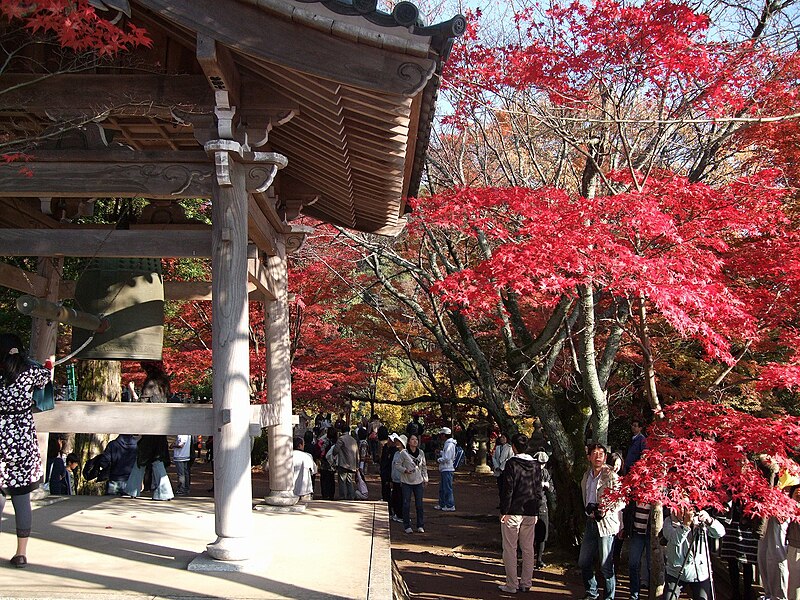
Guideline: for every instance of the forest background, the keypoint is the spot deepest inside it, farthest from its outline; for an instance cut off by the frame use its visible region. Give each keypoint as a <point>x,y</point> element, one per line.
<point>607,231</point>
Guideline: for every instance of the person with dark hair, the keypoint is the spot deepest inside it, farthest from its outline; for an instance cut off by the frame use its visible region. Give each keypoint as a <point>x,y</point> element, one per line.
<point>152,450</point>
<point>327,475</point>
<point>20,461</point>
<point>502,452</point>
<point>346,452</point>
<point>519,510</point>
<point>387,455</point>
<point>542,529</point>
<point>413,478</point>
<point>62,478</point>
<point>603,523</point>
<point>638,444</point>
<point>304,470</point>
<point>374,440</point>
<point>118,459</point>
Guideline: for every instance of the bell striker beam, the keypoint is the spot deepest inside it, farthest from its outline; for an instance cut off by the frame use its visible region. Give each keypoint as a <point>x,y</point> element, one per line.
<point>230,356</point>
<point>279,384</point>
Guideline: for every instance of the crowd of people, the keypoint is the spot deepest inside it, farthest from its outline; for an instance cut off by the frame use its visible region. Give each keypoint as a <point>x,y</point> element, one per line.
<point>340,455</point>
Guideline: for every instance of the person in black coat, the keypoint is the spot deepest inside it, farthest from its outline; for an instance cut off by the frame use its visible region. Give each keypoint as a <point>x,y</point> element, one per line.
<point>118,459</point>
<point>519,509</point>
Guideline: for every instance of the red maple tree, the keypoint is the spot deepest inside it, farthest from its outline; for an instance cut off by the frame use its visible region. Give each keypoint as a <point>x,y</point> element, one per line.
<point>76,25</point>
<point>706,455</point>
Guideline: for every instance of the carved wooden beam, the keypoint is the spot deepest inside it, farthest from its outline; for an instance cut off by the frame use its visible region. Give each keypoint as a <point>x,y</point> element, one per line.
<point>217,63</point>
<point>118,172</point>
<point>175,96</point>
<point>254,32</point>
<point>109,173</point>
<point>110,243</point>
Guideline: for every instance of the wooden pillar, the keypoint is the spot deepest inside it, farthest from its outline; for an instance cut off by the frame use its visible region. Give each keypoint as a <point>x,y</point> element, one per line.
<point>233,489</point>
<point>44,334</point>
<point>279,382</point>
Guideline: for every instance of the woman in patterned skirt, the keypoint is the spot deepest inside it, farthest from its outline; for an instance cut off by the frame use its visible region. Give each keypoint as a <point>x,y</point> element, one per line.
<point>20,462</point>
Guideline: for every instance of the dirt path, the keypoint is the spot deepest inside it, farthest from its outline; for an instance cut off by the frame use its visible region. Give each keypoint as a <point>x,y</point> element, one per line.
<point>460,553</point>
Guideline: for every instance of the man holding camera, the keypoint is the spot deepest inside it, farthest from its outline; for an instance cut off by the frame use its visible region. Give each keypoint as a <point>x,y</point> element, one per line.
<point>687,555</point>
<point>602,523</point>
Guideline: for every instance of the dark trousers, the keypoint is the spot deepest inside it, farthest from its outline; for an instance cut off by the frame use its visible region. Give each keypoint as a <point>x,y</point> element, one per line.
<point>397,498</point>
<point>700,590</point>
<point>327,482</point>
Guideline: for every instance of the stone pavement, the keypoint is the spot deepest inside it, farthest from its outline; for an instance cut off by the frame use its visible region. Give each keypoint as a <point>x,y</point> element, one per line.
<point>90,547</point>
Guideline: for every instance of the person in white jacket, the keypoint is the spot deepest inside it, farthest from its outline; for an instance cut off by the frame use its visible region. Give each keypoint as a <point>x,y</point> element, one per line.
<point>413,477</point>
<point>446,469</point>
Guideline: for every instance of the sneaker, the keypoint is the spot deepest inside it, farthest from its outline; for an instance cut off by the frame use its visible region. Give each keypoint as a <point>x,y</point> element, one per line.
<point>409,530</point>
<point>590,597</point>
<point>420,530</point>
<point>449,509</point>
<point>397,519</point>
<point>507,590</point>
<point>437,507</point>
<point>524,589</point>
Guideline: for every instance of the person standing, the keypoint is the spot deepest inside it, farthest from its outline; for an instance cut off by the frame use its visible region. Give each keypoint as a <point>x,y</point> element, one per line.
<point>118,459</point>
<point>304,470</point>
<point>639,535</point>
<point>638,444</point>
<point>151,451</point>
<point>20,461</point>
<point>602,523</point>
<point>400,442</point>
<point>346,453</point>
<point>327,474</point>
<point>62,475</point>
<point>687,554</point>
<point>387,455</point>
<point>414,477</point>
<point>542,529</point>
<point>502,452</point>
<point>447,501</point>
<point>793,541</point>
<point>182,457</point>
<point>519,509</point>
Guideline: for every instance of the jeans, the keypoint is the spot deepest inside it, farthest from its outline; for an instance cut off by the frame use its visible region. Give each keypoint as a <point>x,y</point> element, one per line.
<point>162,488</point>
<point>417,491</point>
<point>446,499</point>
<point>592,545</point>
<point>347,485</point>
<point>116,487</point>
<point>184,470</point>
<point>640,542</point>
<point>700,590</point>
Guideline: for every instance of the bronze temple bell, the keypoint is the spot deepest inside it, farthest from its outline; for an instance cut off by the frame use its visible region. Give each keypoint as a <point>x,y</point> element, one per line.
<point>129,293</point>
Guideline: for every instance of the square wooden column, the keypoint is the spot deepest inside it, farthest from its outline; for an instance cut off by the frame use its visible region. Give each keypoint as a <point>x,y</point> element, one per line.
<point>233,488</point>
<point>279,381</point>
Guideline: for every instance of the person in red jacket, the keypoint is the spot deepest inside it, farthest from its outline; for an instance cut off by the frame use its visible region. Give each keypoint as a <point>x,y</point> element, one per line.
<point>519,509</point>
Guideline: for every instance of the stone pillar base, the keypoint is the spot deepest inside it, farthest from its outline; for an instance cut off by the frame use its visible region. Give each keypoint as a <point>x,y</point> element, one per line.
<point>228,548</point>
<point>281,498</point>
<point>483,470</point>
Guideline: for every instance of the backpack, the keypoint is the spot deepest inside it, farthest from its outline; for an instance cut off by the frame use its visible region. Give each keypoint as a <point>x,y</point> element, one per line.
<point>459,458</point>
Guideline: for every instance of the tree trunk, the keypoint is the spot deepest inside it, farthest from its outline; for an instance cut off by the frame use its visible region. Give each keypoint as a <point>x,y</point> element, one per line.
<point>587,356</point>
<point>656,553</point>
<point>98,381</point>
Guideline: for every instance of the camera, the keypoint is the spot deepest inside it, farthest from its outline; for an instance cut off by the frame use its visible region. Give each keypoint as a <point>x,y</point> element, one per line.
<point>593,511</point>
